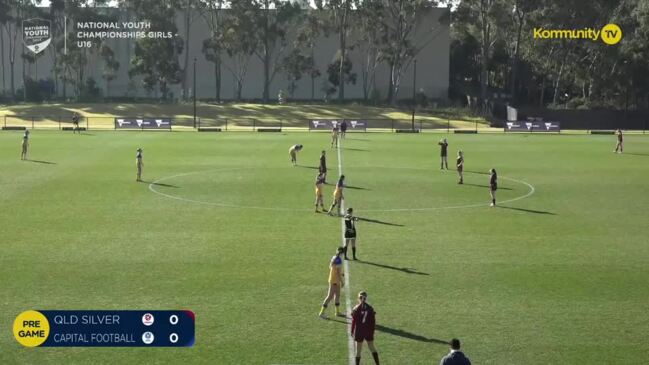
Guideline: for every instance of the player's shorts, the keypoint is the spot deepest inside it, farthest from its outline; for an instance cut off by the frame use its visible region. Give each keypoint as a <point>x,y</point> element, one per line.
<point>360,336</point>
<point>322,170</point>
<point>350,233</point>
<point>493,187</point>
<point>318,193</point>
<point>460,168</point>
<point>338,194</point>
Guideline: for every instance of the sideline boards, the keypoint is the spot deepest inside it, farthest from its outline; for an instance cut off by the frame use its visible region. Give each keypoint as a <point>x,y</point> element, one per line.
<point>533,127</point>
<point>143,123</point>
<point>328,124</point>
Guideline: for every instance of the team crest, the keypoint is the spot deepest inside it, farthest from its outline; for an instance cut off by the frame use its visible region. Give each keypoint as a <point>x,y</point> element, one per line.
<point>37,34</point>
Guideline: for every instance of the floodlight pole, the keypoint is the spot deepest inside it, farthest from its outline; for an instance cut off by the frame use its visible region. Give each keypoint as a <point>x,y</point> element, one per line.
<point>414,88</point>
<point>194,92</point>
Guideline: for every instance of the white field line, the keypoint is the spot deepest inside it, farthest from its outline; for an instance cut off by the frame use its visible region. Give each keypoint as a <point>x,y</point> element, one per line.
<point>226,205</point>
<point>348,302</point>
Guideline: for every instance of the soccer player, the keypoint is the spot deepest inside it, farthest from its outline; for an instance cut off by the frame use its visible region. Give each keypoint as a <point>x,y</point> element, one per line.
<point>455,356</point>
<point>293,153</point>
<point>334,136</point>
<point>459,163</point>
<point>335,283</point>
<point>139,164</point>
<point>493,185</point>
<point>323,167</point>
<point>319,181</point>
<point>620,141</point>
<point>443,149</point>
<point>343,128</point>
<point>350,232</point>
<point>25,145</point>
<point>75,123</point>
<point>338,195</point>
<point>363,325</point>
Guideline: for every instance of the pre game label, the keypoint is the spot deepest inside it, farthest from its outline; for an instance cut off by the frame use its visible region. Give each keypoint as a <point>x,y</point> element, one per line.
<point>105,328</point>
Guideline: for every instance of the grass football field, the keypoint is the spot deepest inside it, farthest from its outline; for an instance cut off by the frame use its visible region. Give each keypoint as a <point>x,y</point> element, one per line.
<point>557,274</point>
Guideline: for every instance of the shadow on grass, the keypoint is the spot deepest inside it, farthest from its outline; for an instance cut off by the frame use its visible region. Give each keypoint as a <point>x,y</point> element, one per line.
<point>356,139</point>
<point>636,154</point>
<point>406,270</point>
<point>409,335</point>
<point>485,186</point>
<point>394,331</point>
<point>307,167</point>
<point>355,187</point>
<point>355,149</point>
<point>476,172</point>
<point>43,162</point>
<point>379,222</point>
<point>527,210</point>
<point>159,184</point>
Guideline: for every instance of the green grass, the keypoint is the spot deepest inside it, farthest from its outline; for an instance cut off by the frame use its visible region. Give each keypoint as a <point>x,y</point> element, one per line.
<point>293,115</point>
<point>559,277</point>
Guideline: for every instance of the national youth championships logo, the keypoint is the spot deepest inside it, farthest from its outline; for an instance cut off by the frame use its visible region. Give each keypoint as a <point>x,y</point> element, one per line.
<point>610,34</point>
<point>37,34</point>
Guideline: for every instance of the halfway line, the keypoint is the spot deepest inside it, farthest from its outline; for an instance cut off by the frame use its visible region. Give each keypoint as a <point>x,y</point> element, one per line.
<point>348,303</point>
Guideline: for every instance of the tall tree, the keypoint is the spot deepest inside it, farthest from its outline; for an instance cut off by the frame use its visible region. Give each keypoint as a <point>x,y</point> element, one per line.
<point>238,41</point>
<point>276,20</point>
<point>211,13</point>
<point>156,59</point>
<point>339,12</point>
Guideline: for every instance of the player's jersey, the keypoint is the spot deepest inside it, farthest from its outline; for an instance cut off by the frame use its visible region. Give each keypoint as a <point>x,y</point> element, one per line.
<point>138,158</point>
<point>619,136</point>
<point>493,181</point>
<point>25,140</point>
<point>363,319</point>
<point>335,268</point>
<point>349,223</point>
<point>339,189</point>
<point>443,148</point>
<point>334,132</point>
<point>323,163</point>
<point>459,163</point>
<point>318,185</point>
<point>294,148</point>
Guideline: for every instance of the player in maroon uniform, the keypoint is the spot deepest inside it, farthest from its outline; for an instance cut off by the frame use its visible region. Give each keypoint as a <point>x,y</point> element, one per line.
<point>363,325</point>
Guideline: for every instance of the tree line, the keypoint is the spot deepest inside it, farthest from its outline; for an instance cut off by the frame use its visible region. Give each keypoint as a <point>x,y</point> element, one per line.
<point>493,50</point>
<point>493,54</point>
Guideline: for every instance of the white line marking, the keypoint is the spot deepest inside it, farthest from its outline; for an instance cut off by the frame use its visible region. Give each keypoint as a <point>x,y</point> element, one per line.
<point>282,209</point>
<point>348,302</point>
<point>529,193</point>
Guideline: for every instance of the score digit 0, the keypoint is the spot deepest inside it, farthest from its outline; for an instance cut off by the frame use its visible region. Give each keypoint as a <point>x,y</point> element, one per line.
<point>173,320</point>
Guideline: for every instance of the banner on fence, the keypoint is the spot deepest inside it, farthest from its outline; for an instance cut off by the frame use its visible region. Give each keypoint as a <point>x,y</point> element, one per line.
<point>143,123</point>
<point>328,124</point>
<point>533,127</point>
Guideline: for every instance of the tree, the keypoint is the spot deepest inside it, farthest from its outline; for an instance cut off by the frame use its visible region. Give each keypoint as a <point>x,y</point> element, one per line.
<point>211,12</point>
<point>339,12</point>
<point>295,65</point>
<point>238,41</point>
<point>156,59</point>
<point>400,21</point>
<point>368,42</point>
<point>273,25</point>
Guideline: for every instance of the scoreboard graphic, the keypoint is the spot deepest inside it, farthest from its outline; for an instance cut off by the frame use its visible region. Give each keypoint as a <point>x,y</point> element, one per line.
<point>87,328</point>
